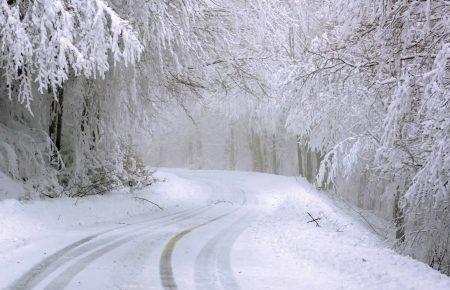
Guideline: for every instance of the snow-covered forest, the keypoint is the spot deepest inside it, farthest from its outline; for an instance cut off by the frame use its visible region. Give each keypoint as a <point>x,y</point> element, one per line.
<point>352,95</point>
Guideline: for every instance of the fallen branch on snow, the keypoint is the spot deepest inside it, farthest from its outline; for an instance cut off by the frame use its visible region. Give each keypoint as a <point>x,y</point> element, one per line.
<point>315,220</point>
<point>149,201</point>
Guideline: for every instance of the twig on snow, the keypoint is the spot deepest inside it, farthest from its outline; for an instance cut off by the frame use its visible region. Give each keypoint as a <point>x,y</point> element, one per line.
<point>144,199</point>
<point>316,220</point>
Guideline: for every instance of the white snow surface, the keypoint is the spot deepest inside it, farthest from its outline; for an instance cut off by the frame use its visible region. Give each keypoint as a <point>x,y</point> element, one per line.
<point>232,230</point>
<point>10,188</point>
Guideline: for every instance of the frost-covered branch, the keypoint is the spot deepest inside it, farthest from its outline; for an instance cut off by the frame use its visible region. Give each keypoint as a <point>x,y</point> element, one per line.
<point>44,41</point>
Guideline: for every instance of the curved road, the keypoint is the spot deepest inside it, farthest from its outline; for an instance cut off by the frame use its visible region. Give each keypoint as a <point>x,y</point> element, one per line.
<point>235,230</point>
<point>187,249</point>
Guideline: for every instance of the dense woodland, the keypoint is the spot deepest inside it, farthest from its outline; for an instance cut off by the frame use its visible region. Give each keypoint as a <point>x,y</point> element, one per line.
<point>352,95</point>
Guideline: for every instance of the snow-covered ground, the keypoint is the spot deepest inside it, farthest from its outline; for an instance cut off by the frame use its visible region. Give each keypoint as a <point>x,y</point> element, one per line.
<point>217,230</point>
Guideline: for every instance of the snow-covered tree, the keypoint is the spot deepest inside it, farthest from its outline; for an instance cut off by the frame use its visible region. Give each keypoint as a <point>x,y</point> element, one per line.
<point>45,46</point>
<point>370,90</point>
<point>45,41</point>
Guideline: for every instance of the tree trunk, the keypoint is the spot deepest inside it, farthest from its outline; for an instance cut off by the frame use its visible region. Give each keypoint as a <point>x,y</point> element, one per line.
<point>309,165</point>
<point>256,152</point>
<point>399,218</point>
<point>274,155</point>
<point>301,170</point>
<point>232,156</point>
<point>55,128</point>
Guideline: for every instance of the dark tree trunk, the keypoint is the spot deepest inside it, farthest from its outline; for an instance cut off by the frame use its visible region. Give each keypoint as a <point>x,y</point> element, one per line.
<point>56,118</point>
<point>309,165</point>
<point>55,128</point>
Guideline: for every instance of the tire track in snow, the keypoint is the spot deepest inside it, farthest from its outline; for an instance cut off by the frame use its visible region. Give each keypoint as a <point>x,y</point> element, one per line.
<point>47,266</point>
<point>165,266</point>
<point>64,278</point>
<point>213,264</point>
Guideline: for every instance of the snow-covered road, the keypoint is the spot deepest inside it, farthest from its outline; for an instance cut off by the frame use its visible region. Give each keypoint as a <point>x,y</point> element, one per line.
<point>218,230</point>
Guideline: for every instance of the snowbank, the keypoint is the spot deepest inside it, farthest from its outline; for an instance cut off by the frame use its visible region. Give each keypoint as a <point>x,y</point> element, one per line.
<point>343,252</point>
<point>10,188</point>
<point>27,221</point>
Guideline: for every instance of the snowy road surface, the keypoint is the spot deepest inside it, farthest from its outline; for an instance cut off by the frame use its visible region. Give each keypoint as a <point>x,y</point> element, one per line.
<point>218,230</point>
